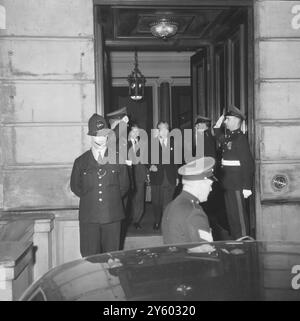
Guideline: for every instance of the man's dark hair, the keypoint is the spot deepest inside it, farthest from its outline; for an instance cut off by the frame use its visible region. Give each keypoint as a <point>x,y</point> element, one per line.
<point>134,125</point>
<point>163,122</point>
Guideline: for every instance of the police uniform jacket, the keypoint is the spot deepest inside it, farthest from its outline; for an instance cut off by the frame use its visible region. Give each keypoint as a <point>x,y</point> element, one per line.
<point>182,220</point>
<point>237,166</point>
<point>100,189</point>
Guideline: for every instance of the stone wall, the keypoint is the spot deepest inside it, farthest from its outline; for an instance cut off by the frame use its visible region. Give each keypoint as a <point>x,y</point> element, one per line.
<point>277,117</point>
<point>47,93</point>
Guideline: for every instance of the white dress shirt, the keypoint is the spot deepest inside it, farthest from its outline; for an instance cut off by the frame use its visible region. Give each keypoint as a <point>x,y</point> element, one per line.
<point>97,152</point>
<point>163,141</point>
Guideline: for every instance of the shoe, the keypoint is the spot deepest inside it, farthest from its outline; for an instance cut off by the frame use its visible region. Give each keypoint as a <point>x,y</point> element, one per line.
<point>156,227</point>
<point>137,226</point>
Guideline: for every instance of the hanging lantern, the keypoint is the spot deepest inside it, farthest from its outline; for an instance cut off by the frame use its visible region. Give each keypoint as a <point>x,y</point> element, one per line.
<point>136,82</point>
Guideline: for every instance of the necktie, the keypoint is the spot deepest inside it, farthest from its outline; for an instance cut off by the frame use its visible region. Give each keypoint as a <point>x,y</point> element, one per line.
<point>101,155</point>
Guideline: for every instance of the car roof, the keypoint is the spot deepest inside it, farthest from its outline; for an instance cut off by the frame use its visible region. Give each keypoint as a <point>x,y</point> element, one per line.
<point>230,270</point>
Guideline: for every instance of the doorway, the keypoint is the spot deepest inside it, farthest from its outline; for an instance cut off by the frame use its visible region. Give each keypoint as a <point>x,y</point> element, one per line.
<point>218,33</point>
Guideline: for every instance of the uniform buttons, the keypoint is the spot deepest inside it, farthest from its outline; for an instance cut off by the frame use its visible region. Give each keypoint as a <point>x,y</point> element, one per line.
<point>100,184</point>
<point>100,199</point>
<point>100,192</point>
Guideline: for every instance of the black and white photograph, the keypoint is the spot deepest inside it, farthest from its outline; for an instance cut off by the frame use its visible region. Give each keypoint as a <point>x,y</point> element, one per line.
<point>149,151</point>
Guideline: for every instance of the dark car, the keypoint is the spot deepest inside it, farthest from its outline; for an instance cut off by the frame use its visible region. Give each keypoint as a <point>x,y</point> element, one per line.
<point>231,270</point>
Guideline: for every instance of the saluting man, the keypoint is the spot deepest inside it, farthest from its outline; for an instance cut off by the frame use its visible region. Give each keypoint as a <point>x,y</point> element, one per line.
<point>237,170</point>
<point>184,220</point>
<point>100,185</point>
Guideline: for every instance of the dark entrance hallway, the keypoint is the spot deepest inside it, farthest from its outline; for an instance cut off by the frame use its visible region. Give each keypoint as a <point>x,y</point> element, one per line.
<point>219,40</point>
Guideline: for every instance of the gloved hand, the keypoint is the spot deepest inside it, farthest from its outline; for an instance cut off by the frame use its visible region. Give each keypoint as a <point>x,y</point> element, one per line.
<point>247,193</point>
<point>219,122</point>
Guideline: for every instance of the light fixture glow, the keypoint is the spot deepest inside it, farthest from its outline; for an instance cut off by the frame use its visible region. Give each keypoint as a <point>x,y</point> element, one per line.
<point>164,28</point>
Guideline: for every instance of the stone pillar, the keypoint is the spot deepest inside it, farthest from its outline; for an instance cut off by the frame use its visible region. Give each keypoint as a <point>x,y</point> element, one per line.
<point>15,269</point>
<point>277,119</point>
<point>164,101</point>
<point>42,240</point>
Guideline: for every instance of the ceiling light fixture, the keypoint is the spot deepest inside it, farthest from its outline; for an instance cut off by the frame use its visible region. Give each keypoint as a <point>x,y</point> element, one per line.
<point>164,28</point>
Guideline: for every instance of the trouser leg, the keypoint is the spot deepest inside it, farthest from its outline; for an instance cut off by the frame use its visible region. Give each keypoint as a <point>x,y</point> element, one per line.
<point>90,243</point>
<point>138,203</point>
<point>168,193</point>
<point>110,236</point>
<point>156,197</point>
<point>236,213</point>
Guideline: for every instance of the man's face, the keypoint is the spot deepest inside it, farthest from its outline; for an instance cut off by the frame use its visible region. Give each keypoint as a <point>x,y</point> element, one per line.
<point>134,133</point>
<point>205,187</point>
<point>201,127</point>
<point>99,141</point>
<point>163,130</point>
<point>125,119</point>
<point>232,122</point>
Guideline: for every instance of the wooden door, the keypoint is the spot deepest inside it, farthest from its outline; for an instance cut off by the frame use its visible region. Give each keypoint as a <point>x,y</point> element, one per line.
<point>230,74</point>
<point>236,64</point>
<point>200,83</point>
<point>221,94</point>
<point>181,107</point>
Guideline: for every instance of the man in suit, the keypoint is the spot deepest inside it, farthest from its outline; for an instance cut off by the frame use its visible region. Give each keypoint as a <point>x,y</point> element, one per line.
<point>203,142</point>
<point>100,185</point>
<point>204,136</point>
<point>163,177</point>
<point>119,121</point>
<point>139,176</point>
<point>214,206</point>
<point>237,170</point>
<point>184,220</point>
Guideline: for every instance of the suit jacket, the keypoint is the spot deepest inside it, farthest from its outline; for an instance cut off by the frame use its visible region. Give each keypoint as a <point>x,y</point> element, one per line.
<point>209,145</point>
<point>100,189</point>
<point>139,171</point>
<point>208,150</point>
<point>170,170</point>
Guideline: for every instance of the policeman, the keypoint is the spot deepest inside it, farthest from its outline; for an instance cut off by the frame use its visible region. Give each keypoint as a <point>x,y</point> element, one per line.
<point>184,219</point>
<point>237,170</point>
<point>100,186</point>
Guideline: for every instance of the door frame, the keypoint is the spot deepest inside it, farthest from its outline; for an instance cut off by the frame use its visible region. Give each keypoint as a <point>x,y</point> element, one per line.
<point>249,4</point>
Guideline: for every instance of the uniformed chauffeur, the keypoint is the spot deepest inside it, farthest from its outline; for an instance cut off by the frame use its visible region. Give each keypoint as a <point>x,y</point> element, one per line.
<point>100,186</point>
<point>184,220</point>
<point>237,170</point>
